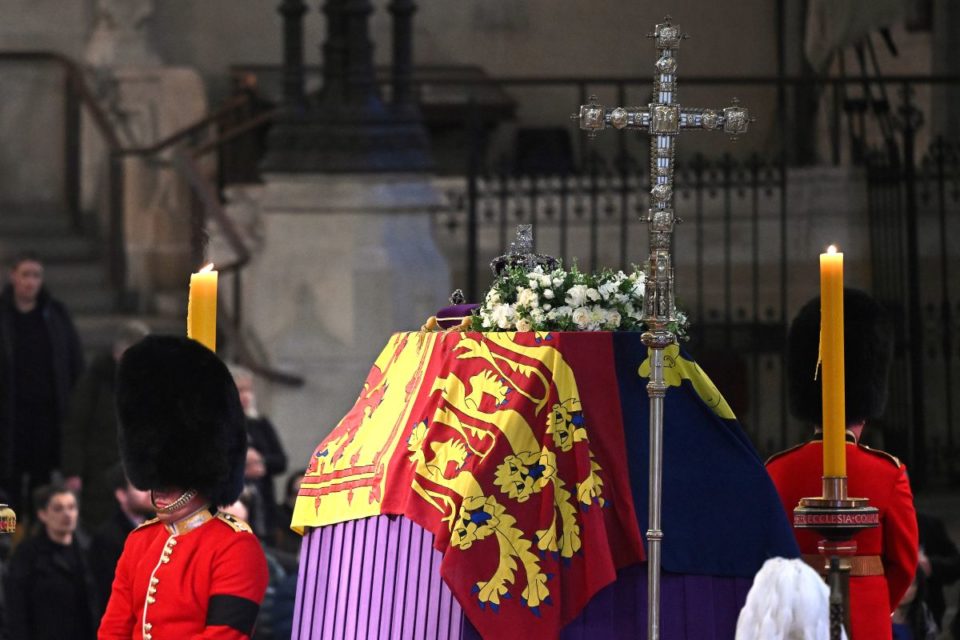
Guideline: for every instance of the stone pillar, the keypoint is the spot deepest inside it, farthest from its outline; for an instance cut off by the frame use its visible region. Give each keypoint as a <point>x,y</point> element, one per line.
<point>350,130</point>
<point>402,68</point>
<point>293,74</point>
<point>347,254</point>
<point>946,25</point>
<point>343,262</point>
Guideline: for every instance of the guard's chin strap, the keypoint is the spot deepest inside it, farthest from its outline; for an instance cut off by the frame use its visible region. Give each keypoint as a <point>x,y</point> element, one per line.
<point>177,504</point>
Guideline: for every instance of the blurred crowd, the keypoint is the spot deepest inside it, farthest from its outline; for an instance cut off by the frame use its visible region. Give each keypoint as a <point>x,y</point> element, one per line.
<point>60,470</point>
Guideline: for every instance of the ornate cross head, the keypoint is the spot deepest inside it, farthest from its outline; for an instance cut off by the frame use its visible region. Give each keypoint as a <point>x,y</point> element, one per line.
<point>663,118</point>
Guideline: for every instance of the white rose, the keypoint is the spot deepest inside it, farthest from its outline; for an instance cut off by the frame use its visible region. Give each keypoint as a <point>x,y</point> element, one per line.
<point>581,317</point>
<point>577,295</point>
<point>545,281</point>
<point>533,284</point>
<point>592,294</point>
<point>557,281</point>
<point>537,316</point>
<point>527,298</point>
<point>597,317</point>
<point>548,294</point>
<point>613,319</point>
<point>547,306</point>
<point>524,325</point>
<point>502,315</point>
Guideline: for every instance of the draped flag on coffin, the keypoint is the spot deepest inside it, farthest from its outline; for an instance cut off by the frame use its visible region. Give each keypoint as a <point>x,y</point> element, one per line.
<point>514,461</point>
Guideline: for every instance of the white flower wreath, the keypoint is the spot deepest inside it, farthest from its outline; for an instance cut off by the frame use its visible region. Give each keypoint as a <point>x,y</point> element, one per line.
<point>566,300</point>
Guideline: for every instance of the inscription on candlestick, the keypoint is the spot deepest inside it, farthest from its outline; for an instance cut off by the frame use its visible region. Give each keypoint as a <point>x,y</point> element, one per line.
<point>836,519</point>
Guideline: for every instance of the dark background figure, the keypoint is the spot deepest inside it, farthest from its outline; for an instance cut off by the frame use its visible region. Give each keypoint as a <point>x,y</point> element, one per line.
<point>276,611</point>
<point>287,540</point>
<point>131,508</point>
<point>912,620</point>
<point>49,587</point>
<point>939,561</point>
<point>265,459</point>
<point>40,360</point>
<point>89,441</point>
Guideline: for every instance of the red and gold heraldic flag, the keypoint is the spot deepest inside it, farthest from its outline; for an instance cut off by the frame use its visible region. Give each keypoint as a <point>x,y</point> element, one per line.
<point>514,461</point>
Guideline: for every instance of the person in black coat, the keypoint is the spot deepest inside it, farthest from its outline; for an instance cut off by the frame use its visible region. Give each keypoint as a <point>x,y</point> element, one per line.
<point>265,459</point>
<point>89,440</point>
<point>49,587</point>
<point>131,508</point>
<point>40,360</point>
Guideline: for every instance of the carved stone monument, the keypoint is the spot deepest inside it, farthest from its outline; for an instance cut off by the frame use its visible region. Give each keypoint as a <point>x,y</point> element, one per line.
<point>147,102</point>
<point>120,36</point>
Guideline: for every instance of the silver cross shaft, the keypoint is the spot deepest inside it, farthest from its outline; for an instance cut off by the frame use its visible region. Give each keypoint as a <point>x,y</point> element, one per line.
<point>663,118</point>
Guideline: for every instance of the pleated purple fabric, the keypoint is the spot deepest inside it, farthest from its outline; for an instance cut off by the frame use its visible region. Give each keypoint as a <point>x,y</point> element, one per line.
<point>379,578</point>
<point>370,579</point>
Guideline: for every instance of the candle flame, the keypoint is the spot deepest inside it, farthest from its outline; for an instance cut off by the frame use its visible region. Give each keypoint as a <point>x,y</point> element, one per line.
<point>207,268</point>
<point>832,248</point>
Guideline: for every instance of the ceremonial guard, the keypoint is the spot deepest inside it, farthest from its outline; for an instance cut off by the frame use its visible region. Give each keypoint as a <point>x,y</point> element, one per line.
<point>886,556</point>
<point>191,572</point>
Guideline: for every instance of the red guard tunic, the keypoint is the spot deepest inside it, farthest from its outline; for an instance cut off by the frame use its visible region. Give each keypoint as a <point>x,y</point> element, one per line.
<point>202,577</point>
<point>883,479</point>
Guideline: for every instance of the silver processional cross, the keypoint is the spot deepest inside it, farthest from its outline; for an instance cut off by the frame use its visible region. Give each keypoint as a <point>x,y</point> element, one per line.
<point>663,119</point>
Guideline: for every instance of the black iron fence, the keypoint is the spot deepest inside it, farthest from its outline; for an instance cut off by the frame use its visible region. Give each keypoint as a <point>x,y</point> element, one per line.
<point>915,235</point>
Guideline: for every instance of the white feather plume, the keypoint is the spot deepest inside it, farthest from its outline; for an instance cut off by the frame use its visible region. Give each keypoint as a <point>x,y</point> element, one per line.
<point>788,601</point>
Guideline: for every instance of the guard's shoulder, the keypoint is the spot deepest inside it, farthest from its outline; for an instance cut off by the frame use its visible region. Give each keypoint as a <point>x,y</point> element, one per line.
<point>234,523</point>
<point>148,523</point>
<point>780,454</point>
<point>889,457</point>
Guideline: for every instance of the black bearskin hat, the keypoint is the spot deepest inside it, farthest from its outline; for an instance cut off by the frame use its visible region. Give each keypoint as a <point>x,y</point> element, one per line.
<point>867,353</point>
<point>181,423</point>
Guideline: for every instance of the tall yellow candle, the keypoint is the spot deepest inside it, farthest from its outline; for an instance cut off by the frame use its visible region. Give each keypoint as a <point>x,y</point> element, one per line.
<point>832,365</point>
<point>202,308</point>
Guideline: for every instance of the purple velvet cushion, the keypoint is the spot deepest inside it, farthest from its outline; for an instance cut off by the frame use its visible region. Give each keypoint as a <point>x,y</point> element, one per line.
<point>452,316</point>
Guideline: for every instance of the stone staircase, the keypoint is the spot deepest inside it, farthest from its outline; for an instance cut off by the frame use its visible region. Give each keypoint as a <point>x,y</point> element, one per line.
<point>75,271</point>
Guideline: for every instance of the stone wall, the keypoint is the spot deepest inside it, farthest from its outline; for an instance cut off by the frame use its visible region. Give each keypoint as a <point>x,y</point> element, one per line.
<point>31,112</point>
